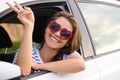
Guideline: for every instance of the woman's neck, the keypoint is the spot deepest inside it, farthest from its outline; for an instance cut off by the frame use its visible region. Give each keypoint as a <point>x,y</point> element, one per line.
<point>47,53</point>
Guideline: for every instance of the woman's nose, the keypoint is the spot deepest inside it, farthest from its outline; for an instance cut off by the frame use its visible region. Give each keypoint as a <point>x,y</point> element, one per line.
<point>58,33</point>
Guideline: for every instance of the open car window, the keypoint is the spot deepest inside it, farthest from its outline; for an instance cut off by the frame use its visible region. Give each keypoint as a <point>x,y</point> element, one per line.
<point>43,12</point>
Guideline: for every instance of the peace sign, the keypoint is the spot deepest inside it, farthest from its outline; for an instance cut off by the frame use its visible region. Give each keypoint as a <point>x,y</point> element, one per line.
<point>25,14</point>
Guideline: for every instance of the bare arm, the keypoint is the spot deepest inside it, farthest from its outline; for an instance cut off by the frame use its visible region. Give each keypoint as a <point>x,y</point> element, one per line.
<point>26,16</point>
<point>71,65</point>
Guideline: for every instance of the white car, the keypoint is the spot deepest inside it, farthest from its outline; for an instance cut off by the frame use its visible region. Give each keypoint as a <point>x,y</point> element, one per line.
<point>99,21</point>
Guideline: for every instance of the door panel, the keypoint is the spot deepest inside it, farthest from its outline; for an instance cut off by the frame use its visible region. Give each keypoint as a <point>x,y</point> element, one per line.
<point>90,73</point>
<point>109,66</point>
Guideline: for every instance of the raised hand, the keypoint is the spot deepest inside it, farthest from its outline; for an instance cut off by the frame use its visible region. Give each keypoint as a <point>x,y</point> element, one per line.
<point>25,14</point>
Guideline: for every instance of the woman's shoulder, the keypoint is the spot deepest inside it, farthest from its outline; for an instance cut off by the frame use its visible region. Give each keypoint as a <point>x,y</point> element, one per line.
<point>75,53</point>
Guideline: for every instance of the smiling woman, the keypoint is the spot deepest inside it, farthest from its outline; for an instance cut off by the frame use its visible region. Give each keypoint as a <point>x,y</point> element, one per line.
<point>58,48</point>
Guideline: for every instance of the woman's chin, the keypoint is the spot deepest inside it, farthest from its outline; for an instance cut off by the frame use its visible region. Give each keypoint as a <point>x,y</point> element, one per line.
<point>53,46</point>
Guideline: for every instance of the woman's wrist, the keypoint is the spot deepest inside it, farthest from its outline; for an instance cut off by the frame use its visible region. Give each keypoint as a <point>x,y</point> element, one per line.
<point>40,67</point>
<point>29,27</point>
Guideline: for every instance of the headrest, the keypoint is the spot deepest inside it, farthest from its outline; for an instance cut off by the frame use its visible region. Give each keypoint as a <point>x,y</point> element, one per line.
<point>5,41</point>
<point>41,20</point>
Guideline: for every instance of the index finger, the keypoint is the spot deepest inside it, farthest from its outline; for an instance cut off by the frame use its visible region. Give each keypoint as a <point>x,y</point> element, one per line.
<point>12,7</point>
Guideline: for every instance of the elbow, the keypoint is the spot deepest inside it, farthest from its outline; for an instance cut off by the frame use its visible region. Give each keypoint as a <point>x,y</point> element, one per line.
<point>25,72</point>
<point>25,69</point>
<point>82,66</point>
<point>79,68</point>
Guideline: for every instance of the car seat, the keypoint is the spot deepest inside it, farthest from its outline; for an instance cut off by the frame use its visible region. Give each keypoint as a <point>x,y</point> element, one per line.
<point>5,43</point>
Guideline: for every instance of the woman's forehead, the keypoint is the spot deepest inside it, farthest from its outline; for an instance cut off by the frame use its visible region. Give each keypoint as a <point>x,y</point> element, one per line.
<point>64,23</point>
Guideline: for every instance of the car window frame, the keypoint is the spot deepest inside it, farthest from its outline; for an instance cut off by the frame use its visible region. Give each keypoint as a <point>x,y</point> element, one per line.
<point>115,4</point>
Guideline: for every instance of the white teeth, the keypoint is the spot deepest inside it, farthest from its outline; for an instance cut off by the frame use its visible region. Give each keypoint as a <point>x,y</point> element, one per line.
<point>54,39</point>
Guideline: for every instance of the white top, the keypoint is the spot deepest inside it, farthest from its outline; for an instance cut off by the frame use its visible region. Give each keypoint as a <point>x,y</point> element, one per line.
<point>36,57</point>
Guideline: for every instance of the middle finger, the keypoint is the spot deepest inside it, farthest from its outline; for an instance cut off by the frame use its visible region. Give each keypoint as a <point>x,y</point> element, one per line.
<point>18,5</point>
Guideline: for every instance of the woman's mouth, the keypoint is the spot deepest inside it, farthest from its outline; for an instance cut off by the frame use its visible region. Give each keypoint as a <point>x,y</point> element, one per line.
<point>52,37</point>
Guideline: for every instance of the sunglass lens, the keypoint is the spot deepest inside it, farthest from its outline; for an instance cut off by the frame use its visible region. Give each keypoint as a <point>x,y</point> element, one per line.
<point>54,27</point>
<point>65,34</point>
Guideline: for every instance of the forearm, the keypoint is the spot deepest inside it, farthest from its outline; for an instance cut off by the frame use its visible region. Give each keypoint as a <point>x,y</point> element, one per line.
<point>24,59</point>
<point>64,66</point>
<point>26,16</point>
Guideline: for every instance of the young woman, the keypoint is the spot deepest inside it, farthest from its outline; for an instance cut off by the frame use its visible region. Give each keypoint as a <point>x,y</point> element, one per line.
<point>58,50</point>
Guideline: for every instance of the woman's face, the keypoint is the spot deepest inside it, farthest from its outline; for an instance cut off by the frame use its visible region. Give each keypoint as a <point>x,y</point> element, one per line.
<point>54,39</point>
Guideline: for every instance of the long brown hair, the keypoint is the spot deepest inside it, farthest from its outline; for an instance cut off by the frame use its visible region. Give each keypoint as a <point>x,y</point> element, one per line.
<point>74,43</point>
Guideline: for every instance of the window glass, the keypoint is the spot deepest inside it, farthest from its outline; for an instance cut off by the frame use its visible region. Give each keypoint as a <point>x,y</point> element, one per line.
<point>103,22</point>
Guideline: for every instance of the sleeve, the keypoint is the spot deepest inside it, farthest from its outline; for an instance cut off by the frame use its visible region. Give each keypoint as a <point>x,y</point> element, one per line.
<point>69,55</point>
<point>35,55</point>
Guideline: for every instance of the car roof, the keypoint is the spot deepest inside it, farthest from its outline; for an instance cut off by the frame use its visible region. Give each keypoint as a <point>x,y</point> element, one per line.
<point>4,6</point>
